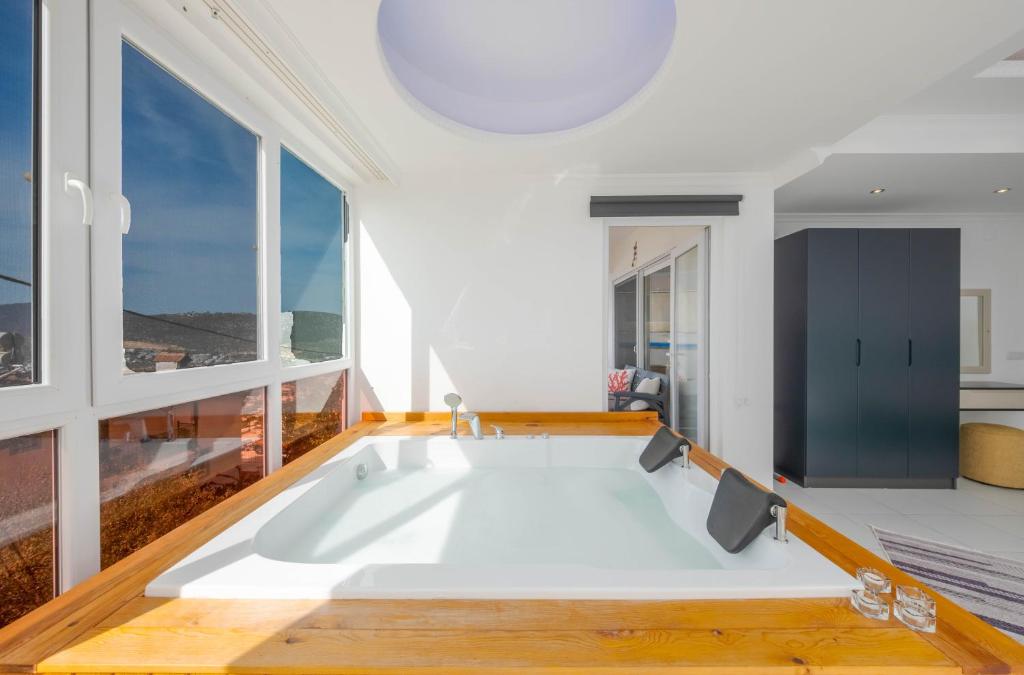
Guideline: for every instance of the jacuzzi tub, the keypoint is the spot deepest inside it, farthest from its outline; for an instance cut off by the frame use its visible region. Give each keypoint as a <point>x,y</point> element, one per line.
<point>565,517</point>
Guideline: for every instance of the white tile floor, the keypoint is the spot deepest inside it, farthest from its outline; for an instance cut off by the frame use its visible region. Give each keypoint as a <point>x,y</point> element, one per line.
<point>975,516</point>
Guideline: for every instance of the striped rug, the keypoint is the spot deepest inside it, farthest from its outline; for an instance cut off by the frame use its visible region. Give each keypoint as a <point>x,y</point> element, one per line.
<point>986,585</point>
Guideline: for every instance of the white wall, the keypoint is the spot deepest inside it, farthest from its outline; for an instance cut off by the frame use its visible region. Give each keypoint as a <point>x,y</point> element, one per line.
<point>496,288</point>
<point>991,256</point>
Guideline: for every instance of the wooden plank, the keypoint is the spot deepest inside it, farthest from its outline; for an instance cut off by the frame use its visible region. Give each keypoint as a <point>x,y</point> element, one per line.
<point>578,419</point>
<point>643,423</point>
<point>303,650</point>
<point>791,613</point>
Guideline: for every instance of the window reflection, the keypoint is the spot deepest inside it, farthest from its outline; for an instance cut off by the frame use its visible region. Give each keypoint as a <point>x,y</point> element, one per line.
<point>161,467</point>
<point>312,259</point>
<point>190,260</point>
<point>27,549</point>
<point>312,412</point>
<point>17,197</point>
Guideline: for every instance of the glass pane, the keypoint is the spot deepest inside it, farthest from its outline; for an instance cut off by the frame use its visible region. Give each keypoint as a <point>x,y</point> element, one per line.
<point>312,411</point>
<point>687,347</point>
<point>26,524</point>
<point>312,256</point>
<point>625,323</point>
<point>657,319</point>
<point>17,198</point>
<point>161,467</point>
<point>190,261</point>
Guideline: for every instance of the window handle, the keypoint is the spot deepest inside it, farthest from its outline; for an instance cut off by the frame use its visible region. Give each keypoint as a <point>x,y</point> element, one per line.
<point>73,182</point>
<point>125,208</point>
<point>858,351</point>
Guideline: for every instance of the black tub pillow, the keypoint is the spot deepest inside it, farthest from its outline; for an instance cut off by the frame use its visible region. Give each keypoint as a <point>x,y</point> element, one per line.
<point>740,511</point>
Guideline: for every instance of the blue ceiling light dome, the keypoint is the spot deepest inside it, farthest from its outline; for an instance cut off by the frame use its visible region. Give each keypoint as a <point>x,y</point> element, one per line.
<point>525,66</point>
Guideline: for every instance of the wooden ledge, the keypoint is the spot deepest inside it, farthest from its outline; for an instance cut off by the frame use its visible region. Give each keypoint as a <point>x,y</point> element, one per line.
<point>106,625</point>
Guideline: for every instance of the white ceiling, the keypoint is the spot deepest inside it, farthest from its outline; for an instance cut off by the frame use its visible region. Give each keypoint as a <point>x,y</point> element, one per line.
<point>933,183</point>
<point>961,93</point>
<point>746,85</point>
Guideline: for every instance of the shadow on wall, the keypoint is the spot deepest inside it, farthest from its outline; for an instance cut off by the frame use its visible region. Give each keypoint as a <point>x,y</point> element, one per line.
<point>494,293</point>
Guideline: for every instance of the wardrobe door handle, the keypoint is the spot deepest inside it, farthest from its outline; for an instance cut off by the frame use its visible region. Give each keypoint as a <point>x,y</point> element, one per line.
<point>910,352</point>
<point>858,351</point>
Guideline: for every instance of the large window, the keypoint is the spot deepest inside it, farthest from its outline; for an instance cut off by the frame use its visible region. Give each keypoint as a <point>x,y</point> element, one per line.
<point>146,234</point>
<point>190,264</point>
<point>161,467</point>
<point>313,411</point>
<point>27,550</point>
<point>17,195</point>
<point>312,259</point>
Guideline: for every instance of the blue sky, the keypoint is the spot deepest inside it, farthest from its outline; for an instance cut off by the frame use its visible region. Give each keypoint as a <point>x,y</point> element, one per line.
<point>15,148</point>
<point>191,175</point>
<point>311,239</point>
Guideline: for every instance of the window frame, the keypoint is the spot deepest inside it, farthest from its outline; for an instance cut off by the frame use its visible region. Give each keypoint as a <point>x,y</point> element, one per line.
<point>292,145</point>
<point>60,355</point>
<point>112,22</point>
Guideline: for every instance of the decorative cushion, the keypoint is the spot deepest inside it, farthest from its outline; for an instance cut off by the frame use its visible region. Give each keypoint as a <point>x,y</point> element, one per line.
<point>620,380</point>
<point>648,385</point>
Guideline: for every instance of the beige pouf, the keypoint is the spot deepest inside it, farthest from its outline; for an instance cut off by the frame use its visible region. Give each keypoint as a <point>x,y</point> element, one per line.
<point>992,453</point>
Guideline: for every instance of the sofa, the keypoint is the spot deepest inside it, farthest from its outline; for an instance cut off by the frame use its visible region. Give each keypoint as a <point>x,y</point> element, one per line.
<point>624,400</point>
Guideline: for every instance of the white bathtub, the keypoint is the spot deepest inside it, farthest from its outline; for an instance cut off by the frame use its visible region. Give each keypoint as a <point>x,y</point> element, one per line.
<point>565,517</point>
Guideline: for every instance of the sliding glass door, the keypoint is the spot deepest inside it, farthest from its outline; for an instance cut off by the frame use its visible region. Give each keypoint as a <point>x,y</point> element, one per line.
<point>659,323</point>
<point>688,348</point>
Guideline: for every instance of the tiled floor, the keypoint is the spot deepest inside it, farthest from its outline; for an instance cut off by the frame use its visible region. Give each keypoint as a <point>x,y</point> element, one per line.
<point>975,516</point>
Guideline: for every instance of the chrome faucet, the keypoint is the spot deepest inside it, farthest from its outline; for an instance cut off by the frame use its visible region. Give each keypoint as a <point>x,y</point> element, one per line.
<point>499,433</point>
<point>779,512</point>
<point>453,401</point>
<point>474,424</point>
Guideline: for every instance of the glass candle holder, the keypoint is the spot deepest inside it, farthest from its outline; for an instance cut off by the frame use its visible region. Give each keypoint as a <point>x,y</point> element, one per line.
<point>915,609</point>
<point>870,604</point>
<point>873,580</point>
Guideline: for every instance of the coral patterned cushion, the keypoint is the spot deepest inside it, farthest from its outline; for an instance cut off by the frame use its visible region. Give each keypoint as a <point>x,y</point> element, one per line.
<point>619,380</point>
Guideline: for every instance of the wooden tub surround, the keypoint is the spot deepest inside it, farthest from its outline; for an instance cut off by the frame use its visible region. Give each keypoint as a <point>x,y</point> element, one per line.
<point>105,624</point>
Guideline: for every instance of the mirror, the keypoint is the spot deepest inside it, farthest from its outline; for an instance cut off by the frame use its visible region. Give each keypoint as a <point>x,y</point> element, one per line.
<point>975,330</point>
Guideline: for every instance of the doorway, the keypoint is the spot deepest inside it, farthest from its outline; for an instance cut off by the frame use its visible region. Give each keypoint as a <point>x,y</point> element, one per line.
<point>659,315</point>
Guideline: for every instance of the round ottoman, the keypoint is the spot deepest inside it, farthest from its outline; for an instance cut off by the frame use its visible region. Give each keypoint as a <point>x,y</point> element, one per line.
<point>992,453</point>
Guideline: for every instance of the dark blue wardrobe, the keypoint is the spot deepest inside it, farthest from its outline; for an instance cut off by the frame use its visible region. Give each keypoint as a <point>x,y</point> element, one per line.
<point>867,354</point>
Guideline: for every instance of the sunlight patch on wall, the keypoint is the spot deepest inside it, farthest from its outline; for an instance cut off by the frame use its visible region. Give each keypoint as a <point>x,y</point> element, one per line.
<point>386,358</point>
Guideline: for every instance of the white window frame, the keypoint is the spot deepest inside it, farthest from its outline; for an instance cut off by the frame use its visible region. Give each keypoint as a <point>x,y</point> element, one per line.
<point>114,392</point>
<point>82,383</point>
<point>62,356</point>
<point>314,162</point>
<point>109,22</point>
<point>60,400</point>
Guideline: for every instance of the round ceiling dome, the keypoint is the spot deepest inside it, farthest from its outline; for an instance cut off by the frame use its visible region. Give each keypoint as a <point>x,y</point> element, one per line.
<point>525,66</point>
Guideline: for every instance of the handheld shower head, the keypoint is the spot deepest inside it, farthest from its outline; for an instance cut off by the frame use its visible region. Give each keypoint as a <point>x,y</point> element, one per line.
<point>453,400</point>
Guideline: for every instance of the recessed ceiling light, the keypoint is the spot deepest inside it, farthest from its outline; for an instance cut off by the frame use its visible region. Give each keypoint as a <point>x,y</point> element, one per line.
<point>877,191</point>
<point>1001,191</point>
